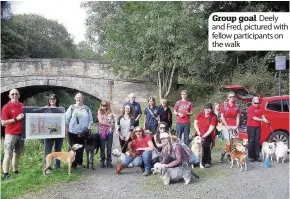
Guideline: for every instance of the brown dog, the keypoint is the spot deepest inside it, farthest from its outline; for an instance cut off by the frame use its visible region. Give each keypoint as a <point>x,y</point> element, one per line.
<point>68,157</point>
<point>239,156</point>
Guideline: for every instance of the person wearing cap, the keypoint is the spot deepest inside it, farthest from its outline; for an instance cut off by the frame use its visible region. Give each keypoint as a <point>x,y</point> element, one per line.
<point>53,102</point>
<point>173,154</point>
<point>255,117</point>
<point>230,116</point>
<point>204,124</point>
<point>137,112</point>
<point>143,146</point>
<point>183,110</point>
<point>11,118</point>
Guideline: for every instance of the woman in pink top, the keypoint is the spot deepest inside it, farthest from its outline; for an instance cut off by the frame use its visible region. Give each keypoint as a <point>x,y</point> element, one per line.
<point>106,129</point>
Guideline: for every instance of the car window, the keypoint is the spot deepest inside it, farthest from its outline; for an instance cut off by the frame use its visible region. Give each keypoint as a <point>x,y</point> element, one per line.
<point>285,105</point>
<point>275,105</point>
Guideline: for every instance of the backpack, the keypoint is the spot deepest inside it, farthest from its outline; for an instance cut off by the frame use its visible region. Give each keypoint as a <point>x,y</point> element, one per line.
<point>73,108</point>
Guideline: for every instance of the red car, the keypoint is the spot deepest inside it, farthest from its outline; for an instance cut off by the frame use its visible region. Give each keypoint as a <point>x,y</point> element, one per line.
<point>275,109</point>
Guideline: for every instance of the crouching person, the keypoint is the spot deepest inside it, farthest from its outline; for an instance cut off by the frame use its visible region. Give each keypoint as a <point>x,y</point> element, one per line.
<point>173,154</point>
<point>140,152</point>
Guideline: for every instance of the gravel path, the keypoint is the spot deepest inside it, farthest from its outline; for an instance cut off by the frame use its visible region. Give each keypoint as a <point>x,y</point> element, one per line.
<point>217,182</point>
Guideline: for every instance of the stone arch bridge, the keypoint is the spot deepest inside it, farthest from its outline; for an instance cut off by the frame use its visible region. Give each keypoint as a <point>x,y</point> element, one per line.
<point>33,76</point>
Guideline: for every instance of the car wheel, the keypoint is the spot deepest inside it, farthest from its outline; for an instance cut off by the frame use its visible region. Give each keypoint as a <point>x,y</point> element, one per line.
<point>279,136</point>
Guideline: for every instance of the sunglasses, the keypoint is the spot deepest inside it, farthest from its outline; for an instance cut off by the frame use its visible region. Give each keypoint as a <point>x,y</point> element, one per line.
<point>161,127</point>
<point>231,96</point>
<point>138,131</point>
<point>52,99</point>
<point>104,105</point>
<point>14,94</point>
<point>256,102</point>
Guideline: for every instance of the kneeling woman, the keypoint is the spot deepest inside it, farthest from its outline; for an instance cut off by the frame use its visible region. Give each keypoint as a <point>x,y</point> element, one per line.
<point>144,146</point>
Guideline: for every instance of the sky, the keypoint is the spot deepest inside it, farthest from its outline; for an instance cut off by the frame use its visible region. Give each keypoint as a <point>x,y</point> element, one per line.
<point>67,13</point>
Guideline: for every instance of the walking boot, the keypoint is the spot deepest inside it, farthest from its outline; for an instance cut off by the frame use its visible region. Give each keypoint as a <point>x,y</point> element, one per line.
<point>109,164</point>
<point>222,157</point>
<point>103,164</point>
<point>119,167</point>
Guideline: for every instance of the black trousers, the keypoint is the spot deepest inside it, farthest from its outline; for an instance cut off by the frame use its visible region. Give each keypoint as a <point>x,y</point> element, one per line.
<point>254,134</point>
<point>75,139</point>
<point>206,158</point>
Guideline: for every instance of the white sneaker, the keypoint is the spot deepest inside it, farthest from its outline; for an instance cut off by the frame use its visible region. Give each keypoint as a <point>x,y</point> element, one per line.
<point>130,165</point>
<point>47,172</point>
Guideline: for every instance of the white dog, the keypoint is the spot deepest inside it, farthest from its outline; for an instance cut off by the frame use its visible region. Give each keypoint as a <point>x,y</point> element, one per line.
<point>268,150</point>
<point>172,174</point>
<point>281,151</point>
<point>196,148</point>
<point>120,156</point>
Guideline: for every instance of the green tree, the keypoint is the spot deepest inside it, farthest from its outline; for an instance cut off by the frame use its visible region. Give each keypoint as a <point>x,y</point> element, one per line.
<point>87,52</point>
<point>44,38</point>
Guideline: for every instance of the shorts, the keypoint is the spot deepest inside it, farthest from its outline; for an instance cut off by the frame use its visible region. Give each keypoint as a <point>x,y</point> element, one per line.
<point>13,143</point>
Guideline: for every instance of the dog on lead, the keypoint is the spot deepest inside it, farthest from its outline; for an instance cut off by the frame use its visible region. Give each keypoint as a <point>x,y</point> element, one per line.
<point>239,156</point>
<point>67,157</point>
<point>196,148</point>
<point>92,143</point>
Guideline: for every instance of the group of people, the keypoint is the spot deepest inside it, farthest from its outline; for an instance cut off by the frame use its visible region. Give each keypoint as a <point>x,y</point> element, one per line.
<point>154,138</point>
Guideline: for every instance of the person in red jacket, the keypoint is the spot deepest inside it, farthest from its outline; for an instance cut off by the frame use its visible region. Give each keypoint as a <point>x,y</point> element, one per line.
<point>255,117</point>
<point>11,118</point>
<point>204,124</point>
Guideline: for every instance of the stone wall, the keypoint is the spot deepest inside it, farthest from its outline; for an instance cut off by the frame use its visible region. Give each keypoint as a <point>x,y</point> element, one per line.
<point>86,76</point>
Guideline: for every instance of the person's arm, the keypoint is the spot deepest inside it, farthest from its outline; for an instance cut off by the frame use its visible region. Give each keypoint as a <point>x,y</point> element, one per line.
<point>209,131</point>
<point>101,120</point>
<point>237,121</point>
<point>5,121</point>
<point>190,110</point>
<point>159,145</point>
<point>196,127</point>
<point>90,119</point>
<point>170,118</point>
<point>178,156</point>
<point>140,113</point>
<point>149,148</point>
<point>262,119</point>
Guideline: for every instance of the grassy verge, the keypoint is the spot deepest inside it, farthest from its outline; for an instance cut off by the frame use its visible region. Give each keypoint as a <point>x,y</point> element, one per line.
<point>31,178</point>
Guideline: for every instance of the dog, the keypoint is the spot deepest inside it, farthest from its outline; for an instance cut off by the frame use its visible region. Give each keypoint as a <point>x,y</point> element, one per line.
<point>268,150</point>
<point>172,174</point>
<point>119,155</point>
<point>239,156</point>
<point>92,143</point>
<point>281,151</point>
<point>196,148</point>
<point>68,157</point>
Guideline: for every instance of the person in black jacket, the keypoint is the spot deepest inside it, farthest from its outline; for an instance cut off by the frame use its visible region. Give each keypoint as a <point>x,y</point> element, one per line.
<point>164,113</point>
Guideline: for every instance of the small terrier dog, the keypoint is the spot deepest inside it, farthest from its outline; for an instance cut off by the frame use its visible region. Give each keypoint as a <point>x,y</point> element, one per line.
<point>119,155</point>
<point>196,148</point>
<point>172,174</point>
<point>239,156</point>
<point>68,157</point>
<point>281,151</point>
<point>268,150</point>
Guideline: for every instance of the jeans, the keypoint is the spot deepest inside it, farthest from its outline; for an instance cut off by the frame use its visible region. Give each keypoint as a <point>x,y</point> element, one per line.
<point>106,143</point>
<point>48,144</point>
<point>254,134</point>
<point>183,128</point>
<point>75,139</point>
<point>145,158</point>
